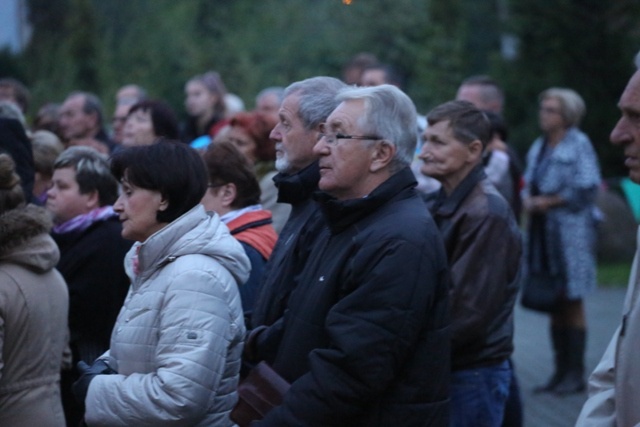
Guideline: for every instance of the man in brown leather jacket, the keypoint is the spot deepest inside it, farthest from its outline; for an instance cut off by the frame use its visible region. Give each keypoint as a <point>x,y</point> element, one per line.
<point>484,247</point>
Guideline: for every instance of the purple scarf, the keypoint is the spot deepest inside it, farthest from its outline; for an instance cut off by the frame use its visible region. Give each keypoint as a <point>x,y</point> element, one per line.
<point>84,221</point>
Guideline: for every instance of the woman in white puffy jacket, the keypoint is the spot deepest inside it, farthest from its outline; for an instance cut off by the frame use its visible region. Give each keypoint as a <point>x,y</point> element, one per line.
<point>177,343</point>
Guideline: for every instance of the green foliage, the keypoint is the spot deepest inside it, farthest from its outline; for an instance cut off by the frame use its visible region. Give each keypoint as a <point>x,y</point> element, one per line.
<point>586,45</point>
<point>100,45</point>
<point>614,274</point>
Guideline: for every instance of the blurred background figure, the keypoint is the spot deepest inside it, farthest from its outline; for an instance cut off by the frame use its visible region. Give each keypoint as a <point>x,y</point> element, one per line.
<point>561,181</point>
<point>13,90</point>
<point>33,307</point>
<point>92,251</point>
<point>233,104</point>
<point>46,148</point>
<point>249,133</point>
<point>81,122</point>
<point>130,94</point>
<point>234,194</point>
<point>126,97</point>
<point>15,142</point>
<point>379,74</point>
<point>483,92</point>
<point>268,101</point>
<point>352,70</point>
<point>48,118</point>
<point>205,106</point>
<point>9,110</point>
<point>147,121</point>
<point>498,164</point>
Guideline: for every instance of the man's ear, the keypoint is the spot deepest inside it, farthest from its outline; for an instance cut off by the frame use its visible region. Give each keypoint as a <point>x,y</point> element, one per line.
<point>93,201</point>
<point>382,155</point>
<point>475,150</point>
<point>229,193</point>
<point>164,204</point>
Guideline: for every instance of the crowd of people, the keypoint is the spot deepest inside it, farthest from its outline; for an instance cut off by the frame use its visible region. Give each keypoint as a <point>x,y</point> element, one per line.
<point>370,256</point>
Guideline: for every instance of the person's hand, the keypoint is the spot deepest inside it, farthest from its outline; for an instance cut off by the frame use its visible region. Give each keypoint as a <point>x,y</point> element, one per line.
<point>87,374</point>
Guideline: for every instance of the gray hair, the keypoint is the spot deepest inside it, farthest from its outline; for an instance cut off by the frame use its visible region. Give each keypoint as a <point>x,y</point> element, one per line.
<point>272,90</point>
<point>390,114</point>
<point>91,105</point>
<point>490,91</point>
<point>636,60</point>
<point>572,105</point>
<point>92,172</point>
<point>317,98</point>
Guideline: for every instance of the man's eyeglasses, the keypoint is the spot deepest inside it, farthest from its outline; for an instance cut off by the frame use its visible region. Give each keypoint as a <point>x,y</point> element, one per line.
<point>331,138</point>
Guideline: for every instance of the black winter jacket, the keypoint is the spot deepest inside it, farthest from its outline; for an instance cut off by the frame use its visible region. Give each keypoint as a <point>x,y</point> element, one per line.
<point>365,338</point>
<point>293,245</point>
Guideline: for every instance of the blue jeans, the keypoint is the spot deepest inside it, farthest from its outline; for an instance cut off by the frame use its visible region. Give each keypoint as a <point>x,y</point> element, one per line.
<point>478,396</point>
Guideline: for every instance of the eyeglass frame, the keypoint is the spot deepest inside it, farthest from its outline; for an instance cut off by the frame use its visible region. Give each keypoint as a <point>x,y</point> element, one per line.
<point>332,138</point>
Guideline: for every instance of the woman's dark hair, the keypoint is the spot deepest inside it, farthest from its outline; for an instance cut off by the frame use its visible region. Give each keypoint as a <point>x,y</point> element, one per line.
<point>163,119</point>
<point>498,125</point>
<point>170,167</point>
<point>228,165</point>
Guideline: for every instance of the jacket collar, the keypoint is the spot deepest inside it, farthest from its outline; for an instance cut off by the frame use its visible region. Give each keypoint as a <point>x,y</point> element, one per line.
<point>446,206</point>
<point>340,214</point>
<point>297,188</point>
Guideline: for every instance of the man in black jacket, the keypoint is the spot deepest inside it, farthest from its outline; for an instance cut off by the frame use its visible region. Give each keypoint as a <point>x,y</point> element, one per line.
<point>364,339</point>
<point>305,107</point>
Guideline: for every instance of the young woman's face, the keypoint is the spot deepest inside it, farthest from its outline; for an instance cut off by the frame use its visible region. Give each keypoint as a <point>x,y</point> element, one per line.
<point>137,208</point>
<point>199,100</point>
<point>64,199</point>
<point>138,129</point>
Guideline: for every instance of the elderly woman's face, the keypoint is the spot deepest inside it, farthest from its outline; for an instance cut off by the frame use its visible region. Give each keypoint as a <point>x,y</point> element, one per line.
<point>242,141</point>
<point>199,100</point>
<point>550,115</point>
<point>444,157</point>
<point>64,199</point>
<point>137,208</point>
<point>138,129</point>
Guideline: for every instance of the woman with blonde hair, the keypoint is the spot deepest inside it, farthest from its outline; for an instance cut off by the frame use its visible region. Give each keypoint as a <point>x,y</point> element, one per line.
<point>561,182</point>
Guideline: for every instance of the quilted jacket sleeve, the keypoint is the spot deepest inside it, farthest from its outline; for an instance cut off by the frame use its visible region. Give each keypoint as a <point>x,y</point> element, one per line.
<point>194,328</point>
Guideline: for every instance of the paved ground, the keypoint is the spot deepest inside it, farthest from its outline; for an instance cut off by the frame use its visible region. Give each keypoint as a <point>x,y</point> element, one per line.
<point>534,364</point>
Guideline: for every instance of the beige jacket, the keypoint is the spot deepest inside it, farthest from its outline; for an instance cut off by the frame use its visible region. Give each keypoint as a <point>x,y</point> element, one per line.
<point>33,321</point>
<point>614,386</point>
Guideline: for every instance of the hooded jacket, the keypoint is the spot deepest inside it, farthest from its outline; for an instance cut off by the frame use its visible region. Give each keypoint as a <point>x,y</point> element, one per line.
<point>33,321</point>
<point>177,342</point>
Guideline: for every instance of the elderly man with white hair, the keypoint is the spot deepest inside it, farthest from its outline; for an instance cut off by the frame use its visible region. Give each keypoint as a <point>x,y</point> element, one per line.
<point>365,338</point>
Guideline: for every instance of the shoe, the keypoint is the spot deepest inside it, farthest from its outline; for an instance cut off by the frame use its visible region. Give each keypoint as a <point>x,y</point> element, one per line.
<point>551,385</point>
<point>572,383</point>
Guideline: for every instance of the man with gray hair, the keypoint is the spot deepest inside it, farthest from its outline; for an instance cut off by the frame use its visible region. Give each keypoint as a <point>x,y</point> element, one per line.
<point>81,122</point>
<point>614,384</point>
<point>365,338</point>
<point>305,107</point>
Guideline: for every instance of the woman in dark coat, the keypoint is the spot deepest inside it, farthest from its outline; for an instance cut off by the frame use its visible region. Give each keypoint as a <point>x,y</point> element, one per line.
<point>92,250</point>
